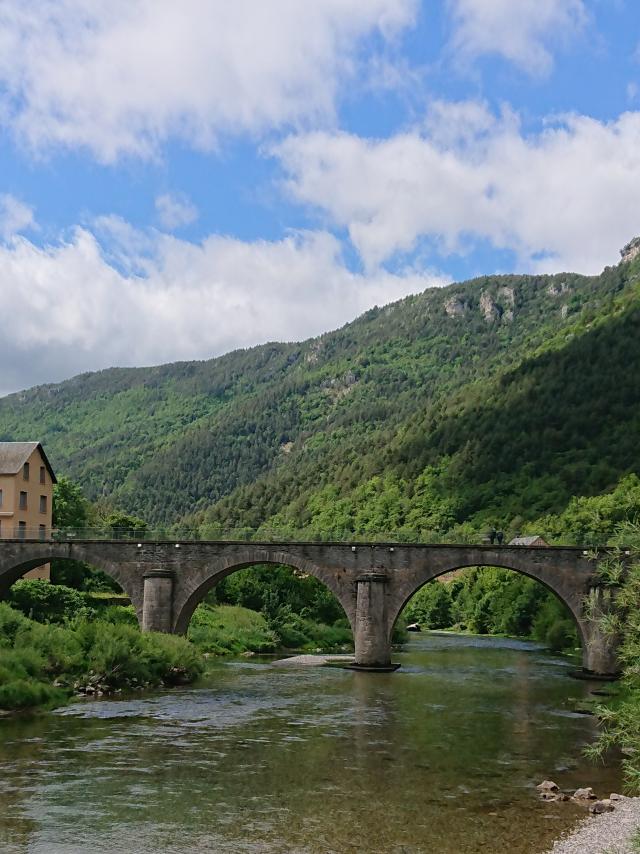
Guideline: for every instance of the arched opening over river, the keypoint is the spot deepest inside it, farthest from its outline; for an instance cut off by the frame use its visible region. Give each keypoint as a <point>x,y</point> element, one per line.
<point>297,601</point>
<point>106,576</point>
<point>496,600</point>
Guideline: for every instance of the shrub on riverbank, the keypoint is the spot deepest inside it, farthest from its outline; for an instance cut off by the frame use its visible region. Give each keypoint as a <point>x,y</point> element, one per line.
<point>48,603</point>
<point>228,629</point>
<point>621,719</point>
<point>232,629</point>
<point>43,664</point>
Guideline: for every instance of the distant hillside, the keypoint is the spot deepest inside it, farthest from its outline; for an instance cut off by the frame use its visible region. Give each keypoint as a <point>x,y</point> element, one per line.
<point>497,398</point>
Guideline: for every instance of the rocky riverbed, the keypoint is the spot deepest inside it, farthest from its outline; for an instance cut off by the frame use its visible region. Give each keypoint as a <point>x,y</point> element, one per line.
<point>608,833</point>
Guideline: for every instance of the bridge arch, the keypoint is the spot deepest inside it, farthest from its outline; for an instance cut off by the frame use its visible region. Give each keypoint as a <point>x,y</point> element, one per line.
<point>187,596</point>
<point>572,604</point>
<point>558,580</point>
<point>12,571</point>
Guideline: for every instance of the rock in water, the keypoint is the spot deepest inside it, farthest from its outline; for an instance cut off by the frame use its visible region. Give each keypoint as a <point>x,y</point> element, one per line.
<point>586,794</point>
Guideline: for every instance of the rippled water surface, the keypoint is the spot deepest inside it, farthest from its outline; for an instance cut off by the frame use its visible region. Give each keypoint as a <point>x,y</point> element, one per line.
<point>442,756</point>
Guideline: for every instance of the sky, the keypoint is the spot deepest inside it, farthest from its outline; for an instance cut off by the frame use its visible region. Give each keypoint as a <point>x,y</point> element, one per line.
<point>178,180</point>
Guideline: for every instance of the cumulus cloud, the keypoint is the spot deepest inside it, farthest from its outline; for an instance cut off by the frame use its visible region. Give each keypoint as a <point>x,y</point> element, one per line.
<point>73,310</point>
<point>120,76</point>
<point>518,30</point>
<point>15,216</point>
<point>174,210</point>
<point>565,198</point>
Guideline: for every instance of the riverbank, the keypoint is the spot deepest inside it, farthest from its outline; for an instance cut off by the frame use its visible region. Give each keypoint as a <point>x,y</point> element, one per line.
<point>43,665</point>
<point>616,832</point>
<point>98,651</point>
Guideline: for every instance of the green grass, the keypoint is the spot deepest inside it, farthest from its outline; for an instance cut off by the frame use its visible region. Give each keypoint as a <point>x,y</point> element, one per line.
<point>229,629</point>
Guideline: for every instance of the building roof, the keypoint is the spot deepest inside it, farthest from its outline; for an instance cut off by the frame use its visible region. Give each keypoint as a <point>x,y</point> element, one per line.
<point>13,455</point>
<point>527,541</point>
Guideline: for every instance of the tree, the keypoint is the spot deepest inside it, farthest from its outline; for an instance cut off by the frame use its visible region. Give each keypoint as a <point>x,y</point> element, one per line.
<point>119,521</point>
<point>70,507</point>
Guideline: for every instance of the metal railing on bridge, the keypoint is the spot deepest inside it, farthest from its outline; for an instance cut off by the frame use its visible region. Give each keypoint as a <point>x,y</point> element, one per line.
<point>214,534</point>
<point>269,535</point>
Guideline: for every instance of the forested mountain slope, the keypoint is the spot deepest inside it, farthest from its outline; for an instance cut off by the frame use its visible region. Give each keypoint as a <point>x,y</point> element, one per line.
<point>493,399</point>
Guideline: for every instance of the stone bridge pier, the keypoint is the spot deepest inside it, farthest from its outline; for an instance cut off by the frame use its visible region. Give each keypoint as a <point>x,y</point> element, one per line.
<point>373,582</point>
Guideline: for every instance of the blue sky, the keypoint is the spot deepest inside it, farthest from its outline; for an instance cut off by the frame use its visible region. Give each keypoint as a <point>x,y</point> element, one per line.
<point>178,180</point>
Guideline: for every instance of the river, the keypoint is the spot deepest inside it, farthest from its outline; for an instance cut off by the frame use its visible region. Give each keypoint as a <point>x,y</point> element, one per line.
<point>441,757</point>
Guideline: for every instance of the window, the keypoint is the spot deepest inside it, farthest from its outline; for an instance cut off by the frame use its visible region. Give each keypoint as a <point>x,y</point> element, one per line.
<point>22,530</point>
<point>0,498</point>
<point>25,471</point>
<point>43,503</point>
<point>23,501</point>
<point>42,531</point>
<point>42,475</point>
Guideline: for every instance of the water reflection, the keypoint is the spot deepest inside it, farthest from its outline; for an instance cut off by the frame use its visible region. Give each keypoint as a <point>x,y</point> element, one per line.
<point>442,756</point>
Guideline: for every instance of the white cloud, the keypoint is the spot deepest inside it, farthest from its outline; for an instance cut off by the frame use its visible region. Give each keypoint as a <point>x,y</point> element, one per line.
<point>566,198</point>
<point>15,216</point>
<point>73,311</point>
<point>120,76</point>
<point>174,210</point>
<point>521,31</point>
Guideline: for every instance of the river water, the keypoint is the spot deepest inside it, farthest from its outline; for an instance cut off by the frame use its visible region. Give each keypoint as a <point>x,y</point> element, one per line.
<point>442,757</point>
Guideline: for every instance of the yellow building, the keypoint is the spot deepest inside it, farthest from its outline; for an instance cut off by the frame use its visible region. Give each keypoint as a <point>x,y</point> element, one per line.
<point>26,495</point>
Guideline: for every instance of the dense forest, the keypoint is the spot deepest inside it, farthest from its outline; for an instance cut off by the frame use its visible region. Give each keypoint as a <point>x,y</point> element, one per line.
<point>494,401</point>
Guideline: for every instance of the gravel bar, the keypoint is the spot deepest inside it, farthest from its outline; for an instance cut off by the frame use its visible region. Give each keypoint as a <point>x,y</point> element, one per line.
<point>310,660</point>
<point>610,833</point>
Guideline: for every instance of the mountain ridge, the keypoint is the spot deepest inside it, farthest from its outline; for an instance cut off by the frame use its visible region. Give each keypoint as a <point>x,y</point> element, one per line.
<point>208,439</point>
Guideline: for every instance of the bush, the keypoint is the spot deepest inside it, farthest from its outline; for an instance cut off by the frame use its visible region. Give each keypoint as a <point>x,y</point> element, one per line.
<point>21,682</point>
<point>553,627</point>
<point>42,663</point>
<point>46,602</point>
<point>431,606</point>
<point>10,623</point>
<point>227,629</point>
<point>118,614</point>
<point>28,694</point>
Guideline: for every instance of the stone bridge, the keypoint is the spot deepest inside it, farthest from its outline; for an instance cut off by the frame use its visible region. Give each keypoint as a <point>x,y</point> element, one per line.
<point>373,582</point>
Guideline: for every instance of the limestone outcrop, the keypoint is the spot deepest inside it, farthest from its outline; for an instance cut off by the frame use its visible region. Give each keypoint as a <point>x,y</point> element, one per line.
<point>630,251</point>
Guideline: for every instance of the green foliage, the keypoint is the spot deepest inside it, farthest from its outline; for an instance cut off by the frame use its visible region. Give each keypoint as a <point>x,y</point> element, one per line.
<point>232,629</point>
<point>621,720</point>
<point>47,602</point>
<point>267,588</point>
<point>70,507</point>
<point>494,601</point>
<point>553,625</point>
<point>431,607</point>
<point>82,576</point>
<point>119,523</point>
<point>595,519</point>
<point>42,664</point>
<point>227,629</point>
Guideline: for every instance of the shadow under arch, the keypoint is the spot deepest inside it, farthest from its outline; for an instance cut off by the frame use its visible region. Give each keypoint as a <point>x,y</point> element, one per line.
<point>572,604</point>
<point>187,600</point>
<point>132,587</point>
